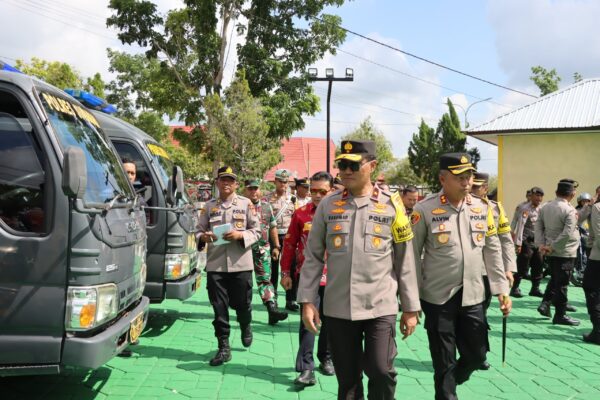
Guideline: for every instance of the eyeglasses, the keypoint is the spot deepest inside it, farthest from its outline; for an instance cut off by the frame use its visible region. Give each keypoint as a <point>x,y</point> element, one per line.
<point>322,192</point>
<point>353,165</point>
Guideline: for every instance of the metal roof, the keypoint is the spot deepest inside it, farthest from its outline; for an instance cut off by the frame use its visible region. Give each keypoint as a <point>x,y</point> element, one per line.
<point>576,107</point>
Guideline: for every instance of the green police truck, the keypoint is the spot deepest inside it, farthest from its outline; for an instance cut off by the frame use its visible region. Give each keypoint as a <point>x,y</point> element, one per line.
<point>72,235</point>
<point>172,258</point>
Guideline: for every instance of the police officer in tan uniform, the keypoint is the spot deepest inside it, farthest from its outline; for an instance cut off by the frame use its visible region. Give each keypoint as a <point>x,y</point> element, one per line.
<point>591,277</point>
<point>528,254</point>
<point>557,237</point>
<point>457,234</point>
<point>365,235</point>
<point>480,189</point>
<point>229,266</point>
<point>283,205</point>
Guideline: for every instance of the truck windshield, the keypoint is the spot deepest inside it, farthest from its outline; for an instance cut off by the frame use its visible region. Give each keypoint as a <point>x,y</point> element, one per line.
<point>164,167</point>
<point>75,126</point>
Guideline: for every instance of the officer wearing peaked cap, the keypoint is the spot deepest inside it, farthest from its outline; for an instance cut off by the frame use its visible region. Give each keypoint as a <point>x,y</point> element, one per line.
<point>557,237</point>
<point>457,235</point>
<point>229,266</point>
<point>370,264</point>
<point>528,254</point>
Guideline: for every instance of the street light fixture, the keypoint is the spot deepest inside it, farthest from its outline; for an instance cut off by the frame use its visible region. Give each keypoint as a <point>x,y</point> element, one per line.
<point>312,76</point>
<point>468,108</point>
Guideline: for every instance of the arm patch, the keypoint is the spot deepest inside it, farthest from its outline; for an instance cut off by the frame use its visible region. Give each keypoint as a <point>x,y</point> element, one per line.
<point>401,230</point>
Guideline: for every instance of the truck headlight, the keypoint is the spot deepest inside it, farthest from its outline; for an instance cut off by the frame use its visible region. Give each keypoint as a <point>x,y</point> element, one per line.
<point>91,306</point>
<point>177,266</point>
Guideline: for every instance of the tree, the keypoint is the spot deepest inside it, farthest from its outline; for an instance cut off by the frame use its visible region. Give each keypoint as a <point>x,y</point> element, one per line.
<point>401,173</point>
<point>577,77</point>
<point>546,81</point>
<point>423,152</point>
<point>190,51</point>
<point>56,73</point>
<point>95,85</point>
<point>236,131</point>
<point>427,145</point>
<point>367,131</point>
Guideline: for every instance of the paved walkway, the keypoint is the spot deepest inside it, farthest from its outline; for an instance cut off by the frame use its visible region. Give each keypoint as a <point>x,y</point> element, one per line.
<point>544,362</point>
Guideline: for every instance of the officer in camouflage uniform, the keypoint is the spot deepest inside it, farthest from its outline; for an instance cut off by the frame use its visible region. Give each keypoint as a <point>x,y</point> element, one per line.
<point>261,251</point>
<point>284,205</point>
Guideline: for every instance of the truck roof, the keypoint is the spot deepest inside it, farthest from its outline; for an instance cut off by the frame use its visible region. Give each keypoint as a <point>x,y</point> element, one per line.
<point>27,83</point>
<point>116,127</point>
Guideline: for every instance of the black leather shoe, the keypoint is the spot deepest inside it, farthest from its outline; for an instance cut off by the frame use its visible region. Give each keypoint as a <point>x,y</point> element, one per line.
<point>327,368</point>
<point>306,378</point>
<point>565,320</point>
<point>274,314</point>
<point>246,335</point>
<point>591,338</point>
<point>536,292</point>
<point>516,292</point>
<point>223,354</point>
<point>571,308</point>
<point>544,309</point>
<point>292,306</point>
<point>484,366</point>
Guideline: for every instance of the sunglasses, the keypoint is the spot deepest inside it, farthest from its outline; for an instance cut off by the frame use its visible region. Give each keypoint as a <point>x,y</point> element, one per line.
<point>322,192</point>
<point>353,165</point>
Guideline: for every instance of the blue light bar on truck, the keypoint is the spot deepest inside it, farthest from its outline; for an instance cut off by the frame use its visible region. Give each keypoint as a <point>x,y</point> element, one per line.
<point>92,101</point>
<point>5,67</point>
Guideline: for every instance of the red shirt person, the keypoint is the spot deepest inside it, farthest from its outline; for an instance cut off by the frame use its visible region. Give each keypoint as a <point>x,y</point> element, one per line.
<point>293,249</point>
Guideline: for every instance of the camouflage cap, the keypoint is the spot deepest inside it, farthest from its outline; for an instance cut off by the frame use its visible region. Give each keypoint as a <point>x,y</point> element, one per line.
<point>252,182</point>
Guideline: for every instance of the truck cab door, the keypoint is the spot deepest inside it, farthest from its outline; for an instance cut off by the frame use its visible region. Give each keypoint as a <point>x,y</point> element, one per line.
<point>33,237</point>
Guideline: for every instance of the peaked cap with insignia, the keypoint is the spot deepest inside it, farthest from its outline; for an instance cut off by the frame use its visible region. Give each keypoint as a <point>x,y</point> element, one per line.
<point>355,150</point>
<point>226,171</point>
<point>457,163</point>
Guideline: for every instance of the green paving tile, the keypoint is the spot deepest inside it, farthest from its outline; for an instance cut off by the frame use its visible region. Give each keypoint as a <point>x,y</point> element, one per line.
<point>543,362</point>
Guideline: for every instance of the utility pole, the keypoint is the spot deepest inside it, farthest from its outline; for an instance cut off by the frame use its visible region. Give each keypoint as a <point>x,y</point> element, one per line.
<point>312,76</point>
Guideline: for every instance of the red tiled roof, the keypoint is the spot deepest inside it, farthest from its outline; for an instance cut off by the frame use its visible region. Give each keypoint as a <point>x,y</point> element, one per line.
<point>303,157</point>
<point>300,155</point>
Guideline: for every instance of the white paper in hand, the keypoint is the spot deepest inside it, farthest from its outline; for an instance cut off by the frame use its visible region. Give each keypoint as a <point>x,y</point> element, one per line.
<point>219,231</point>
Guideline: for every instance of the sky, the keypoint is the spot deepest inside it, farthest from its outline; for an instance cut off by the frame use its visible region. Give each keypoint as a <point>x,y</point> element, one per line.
<point>496,40</point>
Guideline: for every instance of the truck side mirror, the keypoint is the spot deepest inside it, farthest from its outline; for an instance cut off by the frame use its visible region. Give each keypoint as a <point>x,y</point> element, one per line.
<point>175,186</point>
<point>74,174</point>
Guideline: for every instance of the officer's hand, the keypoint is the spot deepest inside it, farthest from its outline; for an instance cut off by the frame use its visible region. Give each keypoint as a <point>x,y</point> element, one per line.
<point>505,304</point>
<point>208,237</point>
<point>310,317</point>
<point>408,323</point>
<point>518,249</point>
<point>510,277</point>
<point>275,254</point>
<point>233,235</point>
<point>286,282</point>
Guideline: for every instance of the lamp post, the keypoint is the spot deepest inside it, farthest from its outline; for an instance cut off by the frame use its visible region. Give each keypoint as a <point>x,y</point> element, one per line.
<point>468,108</point>
<point>312,76</point>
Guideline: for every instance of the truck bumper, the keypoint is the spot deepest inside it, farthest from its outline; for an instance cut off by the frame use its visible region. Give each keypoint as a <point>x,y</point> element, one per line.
<point>92,352</point>
<point>183,289</point>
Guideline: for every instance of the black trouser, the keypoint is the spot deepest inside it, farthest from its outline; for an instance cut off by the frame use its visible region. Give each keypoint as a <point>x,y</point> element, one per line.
<point>556,291</point>
<point>304,358</point>
<point>451,326</point>
<point>290,295</point>
<point>377,358</point>
<point>486,303</point>
<point>229,289</point>
<point>529,256</point>
<point>591,287</point>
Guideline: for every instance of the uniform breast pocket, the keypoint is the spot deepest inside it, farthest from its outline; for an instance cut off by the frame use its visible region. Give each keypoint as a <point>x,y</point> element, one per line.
<point>337,237</point>
<point>215,220</point>
<point>443,235</point>
<point>239,222</point>
<point>478,230</point>
<point>377,237</point>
